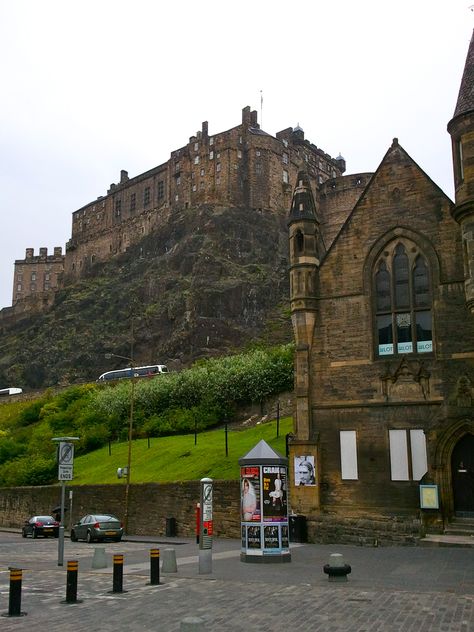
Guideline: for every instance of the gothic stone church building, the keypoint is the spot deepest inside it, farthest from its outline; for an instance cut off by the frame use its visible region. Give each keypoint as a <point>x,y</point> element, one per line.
<point>382,303</point>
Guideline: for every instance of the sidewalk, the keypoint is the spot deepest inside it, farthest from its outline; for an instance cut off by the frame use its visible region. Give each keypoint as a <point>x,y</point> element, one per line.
<point>390,589</point>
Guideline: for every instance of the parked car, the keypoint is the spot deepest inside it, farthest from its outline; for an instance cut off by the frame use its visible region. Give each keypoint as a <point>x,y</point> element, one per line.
<point>40,525</point>
<point>97,527</point>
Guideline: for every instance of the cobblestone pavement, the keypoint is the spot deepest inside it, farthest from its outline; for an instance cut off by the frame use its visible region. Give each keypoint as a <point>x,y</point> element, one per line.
<point>389,589</point>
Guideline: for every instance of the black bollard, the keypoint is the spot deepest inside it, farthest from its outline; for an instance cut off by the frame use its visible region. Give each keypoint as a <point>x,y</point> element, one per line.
<point>71,582</point>
<point>14,601</point>
<point>154,567</point>
<point>118,574</point>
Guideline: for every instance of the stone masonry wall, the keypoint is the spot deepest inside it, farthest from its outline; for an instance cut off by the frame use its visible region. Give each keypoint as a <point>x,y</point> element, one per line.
<point>149,505</point>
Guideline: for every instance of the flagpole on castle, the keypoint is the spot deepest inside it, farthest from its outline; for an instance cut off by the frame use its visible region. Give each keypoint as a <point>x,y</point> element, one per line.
<point>261,109</point>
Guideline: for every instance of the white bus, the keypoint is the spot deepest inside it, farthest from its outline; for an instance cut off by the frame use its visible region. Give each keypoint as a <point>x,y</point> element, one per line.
<point>138,371</point>
<point>5,392</point>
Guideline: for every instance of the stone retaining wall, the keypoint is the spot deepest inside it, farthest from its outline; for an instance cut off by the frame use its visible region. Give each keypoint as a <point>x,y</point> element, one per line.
<point>150,504</point>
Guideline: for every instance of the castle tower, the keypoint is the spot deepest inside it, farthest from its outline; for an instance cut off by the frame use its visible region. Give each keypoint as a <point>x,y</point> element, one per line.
<point>461,129</point>
<point>303,227</point>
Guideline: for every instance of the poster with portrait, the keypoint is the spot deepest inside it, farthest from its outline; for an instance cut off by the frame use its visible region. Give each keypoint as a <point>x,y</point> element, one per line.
<point>274,493</point>
<point>254,538</point>
<point>270,537</point>
<point>305,471</point>
<point>250,493</point>
<point>284,536</point>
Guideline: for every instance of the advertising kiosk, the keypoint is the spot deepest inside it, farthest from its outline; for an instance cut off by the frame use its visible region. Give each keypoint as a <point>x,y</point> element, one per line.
<point>264,505</point>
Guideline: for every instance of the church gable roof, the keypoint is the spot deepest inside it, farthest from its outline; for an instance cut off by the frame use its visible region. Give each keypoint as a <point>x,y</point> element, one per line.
<point>392,187</point>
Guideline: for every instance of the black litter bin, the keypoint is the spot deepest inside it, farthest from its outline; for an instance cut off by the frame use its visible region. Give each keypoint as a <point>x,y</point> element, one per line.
<point>298,529</point>
<point>170,527</point>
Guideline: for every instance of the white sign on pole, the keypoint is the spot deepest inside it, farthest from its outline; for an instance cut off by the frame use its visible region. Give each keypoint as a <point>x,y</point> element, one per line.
<point>65,461</point>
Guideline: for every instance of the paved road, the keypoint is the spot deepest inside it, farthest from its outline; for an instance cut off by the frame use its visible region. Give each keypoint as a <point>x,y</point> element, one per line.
<point>389,589</point>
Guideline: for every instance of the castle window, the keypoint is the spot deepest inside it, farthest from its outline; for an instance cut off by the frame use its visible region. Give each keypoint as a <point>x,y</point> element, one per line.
<point>402,302</point>
<point>408,460</point>
<point>33,287</point>
<point>178,180</point>
<point>18,287</point>
<point>218,166</point>
<point>176,167</point>
<point>285,158</point>
<point>161,190</point>
<point>211,141</point>
<point>176,197</point>
<point>146,196</point>
<point>239,154</point>
<point>118,207</point>
<point>218,180</point>
<point>202,172</point>
<point>196,160</point>
<point>33,276</point>
<point>257,153</point>
<point>196,146</point>
<point>285,176</point>
<point>133,202</point>
<point>211,155</point>
<point>285,142</point>
<point>194,187</point>
<point>46,277</point>
<point>258,168</point>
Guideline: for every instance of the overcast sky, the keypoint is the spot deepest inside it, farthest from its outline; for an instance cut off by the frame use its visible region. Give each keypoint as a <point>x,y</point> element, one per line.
<point>96,86</point>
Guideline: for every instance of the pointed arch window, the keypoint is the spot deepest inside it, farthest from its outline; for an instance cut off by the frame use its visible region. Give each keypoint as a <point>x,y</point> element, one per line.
<point>299,242</point>
<point>402,302</point>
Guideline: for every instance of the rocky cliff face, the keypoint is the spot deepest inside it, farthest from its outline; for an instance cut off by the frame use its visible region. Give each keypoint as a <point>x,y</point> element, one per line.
<point>213,281</point>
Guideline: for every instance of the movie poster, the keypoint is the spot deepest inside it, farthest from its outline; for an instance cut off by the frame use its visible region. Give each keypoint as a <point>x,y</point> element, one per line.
<point>254,538</point>
<point>250,494</point>
<point>305,470</point>
<point>270,537</point>
<point>284,536</point>
<point>274,493</point>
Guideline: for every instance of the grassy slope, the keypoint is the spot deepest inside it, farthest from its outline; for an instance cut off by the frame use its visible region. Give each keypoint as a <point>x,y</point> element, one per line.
<point>177,458</point>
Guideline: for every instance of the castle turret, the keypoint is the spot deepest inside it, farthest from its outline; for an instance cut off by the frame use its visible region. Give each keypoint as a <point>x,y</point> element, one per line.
<point>304,265</point>
<point>461,129</point>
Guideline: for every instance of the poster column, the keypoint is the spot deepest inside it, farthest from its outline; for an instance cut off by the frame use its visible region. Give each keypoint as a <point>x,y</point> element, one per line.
<point>264,506</point>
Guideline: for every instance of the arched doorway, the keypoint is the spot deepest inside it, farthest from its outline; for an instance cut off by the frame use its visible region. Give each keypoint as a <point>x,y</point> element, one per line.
<point>462,470</point>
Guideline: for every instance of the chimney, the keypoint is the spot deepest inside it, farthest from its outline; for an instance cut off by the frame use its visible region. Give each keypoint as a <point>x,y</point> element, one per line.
<point>58,251</point>
<point>246,116</point>
<point>205,129</point>
<point>29,253</point>
<point>123,176</point>
<point>43,252</point>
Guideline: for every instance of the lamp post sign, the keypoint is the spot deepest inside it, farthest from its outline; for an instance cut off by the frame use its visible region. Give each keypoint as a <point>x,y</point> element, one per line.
<point>65,455</point>
<point>65,461</point>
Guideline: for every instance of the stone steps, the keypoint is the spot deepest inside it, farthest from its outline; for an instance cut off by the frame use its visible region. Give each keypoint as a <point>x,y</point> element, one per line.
<point>459,532</point>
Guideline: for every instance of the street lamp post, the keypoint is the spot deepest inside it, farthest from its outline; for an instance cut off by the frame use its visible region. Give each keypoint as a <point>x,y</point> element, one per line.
<point>130,436</point>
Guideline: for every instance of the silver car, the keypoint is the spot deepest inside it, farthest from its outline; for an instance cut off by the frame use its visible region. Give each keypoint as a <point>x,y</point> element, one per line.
<point>97,527</point>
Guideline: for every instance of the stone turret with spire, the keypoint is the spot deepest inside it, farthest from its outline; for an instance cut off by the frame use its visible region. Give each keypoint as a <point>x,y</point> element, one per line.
<point>304,233</point>
<point>461,129</point>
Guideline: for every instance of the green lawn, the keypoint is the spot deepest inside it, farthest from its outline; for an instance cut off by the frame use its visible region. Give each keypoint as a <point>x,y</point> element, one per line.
<point>177,458</point>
